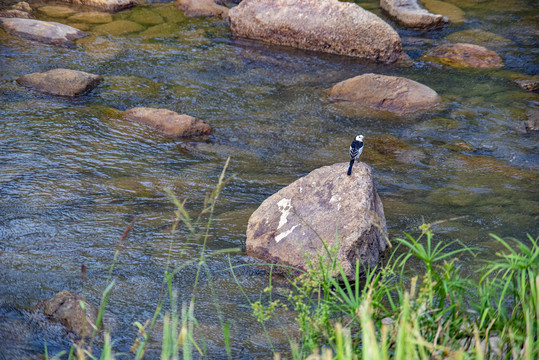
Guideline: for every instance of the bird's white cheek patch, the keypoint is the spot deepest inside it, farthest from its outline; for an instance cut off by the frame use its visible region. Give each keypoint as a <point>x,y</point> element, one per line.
<point>285,205</point>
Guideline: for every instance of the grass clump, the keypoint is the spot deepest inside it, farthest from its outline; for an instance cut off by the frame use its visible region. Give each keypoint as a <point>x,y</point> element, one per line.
<point>438,314</point>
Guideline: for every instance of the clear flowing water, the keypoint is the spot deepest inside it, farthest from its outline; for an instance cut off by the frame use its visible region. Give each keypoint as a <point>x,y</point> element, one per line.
<point>73,174</point>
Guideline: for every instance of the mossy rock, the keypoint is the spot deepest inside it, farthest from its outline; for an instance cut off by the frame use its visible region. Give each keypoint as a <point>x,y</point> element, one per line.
<point>454,13</point>
<point>486,164</point>
<point>170,13</point>
<point>461,55</point>
<point>56,11</point>
<point>165,30</point>
<point>195,38</point>
<point>92,17</point>
<point>438,122</point>
<point>118,28</point>
<point>479,37</point>
<point>454,197</point>
<point>130,84</point>
<point>145,16</point>
<point>99,48</point>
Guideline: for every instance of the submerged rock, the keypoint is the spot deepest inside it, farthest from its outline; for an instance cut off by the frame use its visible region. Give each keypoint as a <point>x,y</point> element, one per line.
<point>56,11</point>
<point>531,84</point>
<point>412,15</point>
<point>531,124</point>
<point>15,14</point>
<point>196,8</point>
<point>452,12</point>
<point>325,209</point>
<point>386,93</point>
<point>22,6</point>
<point>107,5</point>
<point>478,37</point>
<point>321,25</point>
<point>118,27</point>
<point>169,122</point>
<point>464,55</point>
<point>91,17</point>
<point>65,308</point>
<point>145,16</point>
<point>46,32</point>
<point>61,82</point>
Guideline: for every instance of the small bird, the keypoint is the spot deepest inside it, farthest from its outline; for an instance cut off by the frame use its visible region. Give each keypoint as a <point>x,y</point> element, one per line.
<point>355,150</point>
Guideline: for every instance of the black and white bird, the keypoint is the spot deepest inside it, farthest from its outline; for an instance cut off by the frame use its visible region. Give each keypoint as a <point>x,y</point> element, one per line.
<point>356,148</point>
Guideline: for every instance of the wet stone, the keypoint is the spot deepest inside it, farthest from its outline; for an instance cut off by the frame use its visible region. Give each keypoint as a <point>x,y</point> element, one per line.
<point>478,37</point>
<point>169,122</point>
<point>56,11</point>
<point>454,13</point>
<point>100,48</point>
<point>22,6</point>
<point>197,8</point>
<point>15,14</point>
<point>385,93</point>
<point>320,25</point>
<point>61,82</point>
<point>118,28</point>
<point>464,55</point>
<point>145,16</point>
<point>411,157</point>
<point>65,308</point>
<point>412,15</point>
<point>91,17</point>
<point>46,32</point>
<point>531,124</point>
<point>107,5</point>
<point>531,84</point>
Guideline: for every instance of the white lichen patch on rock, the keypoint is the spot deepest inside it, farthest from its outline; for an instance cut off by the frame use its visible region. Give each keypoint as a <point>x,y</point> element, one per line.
<point>285,205</point>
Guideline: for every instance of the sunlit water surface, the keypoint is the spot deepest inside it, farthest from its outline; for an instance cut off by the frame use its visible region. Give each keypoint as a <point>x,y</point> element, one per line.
<point>73,175</point>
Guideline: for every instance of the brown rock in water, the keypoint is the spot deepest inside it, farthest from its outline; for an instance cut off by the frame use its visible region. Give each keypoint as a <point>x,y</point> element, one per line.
<point>412,15</point>
<point>531,124</point>
<point>529,84</point>
<point>462,55</point>
<point>46,32</point>
<point>321,25</point>
<point>325,206</point>
<point>196,8</point>
<point>22,6</point>
<point>169,122</point>
<point>386,93</point>
<point>107,5</point>
<point>15,14</point>
<point>65,307</point>
<point>61,82</point>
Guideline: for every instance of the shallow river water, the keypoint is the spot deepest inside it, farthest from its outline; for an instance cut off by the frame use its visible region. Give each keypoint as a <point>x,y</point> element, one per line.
<point>73,175</point>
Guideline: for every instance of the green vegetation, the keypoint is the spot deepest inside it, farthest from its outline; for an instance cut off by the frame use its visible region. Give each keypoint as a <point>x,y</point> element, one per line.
<point>391,314</point>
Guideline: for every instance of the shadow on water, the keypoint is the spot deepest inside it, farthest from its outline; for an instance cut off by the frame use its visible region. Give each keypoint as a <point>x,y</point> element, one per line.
<point>73,174</point>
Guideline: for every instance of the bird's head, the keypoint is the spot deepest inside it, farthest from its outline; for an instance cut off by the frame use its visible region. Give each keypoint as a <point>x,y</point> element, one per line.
<point>359,138</point>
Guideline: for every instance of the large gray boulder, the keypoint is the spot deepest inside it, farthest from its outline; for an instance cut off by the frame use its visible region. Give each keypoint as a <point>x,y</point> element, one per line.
<point>65,307</point>
<point>322,25</point>
<point>63,82</point>
<point>325,209</point>
<point>169,122</point>
<point>385,93</point>
<point>42,31</point>
<point>412,15</point>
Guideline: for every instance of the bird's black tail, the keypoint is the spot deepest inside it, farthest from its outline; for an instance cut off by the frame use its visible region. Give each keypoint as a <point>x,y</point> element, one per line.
<point>350,167</point>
